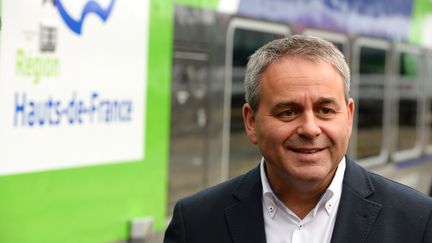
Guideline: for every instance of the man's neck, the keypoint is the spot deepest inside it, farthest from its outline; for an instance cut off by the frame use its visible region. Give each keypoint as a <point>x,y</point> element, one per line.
<point>299,196</point>
<point>301,202</point>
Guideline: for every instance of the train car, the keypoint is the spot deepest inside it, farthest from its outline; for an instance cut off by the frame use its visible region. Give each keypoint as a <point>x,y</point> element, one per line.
<point>387,45</point>
<point>112,110</point>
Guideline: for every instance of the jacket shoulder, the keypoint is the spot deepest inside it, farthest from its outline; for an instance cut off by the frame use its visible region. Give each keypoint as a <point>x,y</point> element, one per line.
<point>399,194</point>
<point>381,189</point>
<point>224,193</point>
<point>201,216</point>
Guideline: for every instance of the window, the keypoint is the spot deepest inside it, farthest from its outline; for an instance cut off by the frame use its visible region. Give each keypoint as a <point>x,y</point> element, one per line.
<point>428,93</point>
<point>246,36</point>
<point>408,87</point>
<point>370,69</point>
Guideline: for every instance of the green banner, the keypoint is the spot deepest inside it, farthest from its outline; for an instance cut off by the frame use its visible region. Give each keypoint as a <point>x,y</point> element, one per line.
<point>422,12</point>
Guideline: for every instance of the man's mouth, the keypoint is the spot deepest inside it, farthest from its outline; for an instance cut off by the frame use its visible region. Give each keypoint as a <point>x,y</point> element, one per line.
<point>307,150</point>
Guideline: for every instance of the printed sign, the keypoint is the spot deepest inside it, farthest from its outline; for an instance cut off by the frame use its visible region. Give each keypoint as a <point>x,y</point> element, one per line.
<point>72,83</point>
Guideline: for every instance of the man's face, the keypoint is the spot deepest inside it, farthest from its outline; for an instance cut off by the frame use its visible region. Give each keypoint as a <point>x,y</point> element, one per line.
<point>303,122</point>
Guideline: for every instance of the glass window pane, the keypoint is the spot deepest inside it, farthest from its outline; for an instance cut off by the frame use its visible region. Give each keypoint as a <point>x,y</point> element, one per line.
<point>338,45</point>
<point>407,104</point>
<point>243,155</point>
<point>188,136</point>
<point>370,102</point>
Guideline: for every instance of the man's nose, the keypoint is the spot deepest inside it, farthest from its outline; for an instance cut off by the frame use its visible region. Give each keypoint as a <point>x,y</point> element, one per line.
<point>308,127</point>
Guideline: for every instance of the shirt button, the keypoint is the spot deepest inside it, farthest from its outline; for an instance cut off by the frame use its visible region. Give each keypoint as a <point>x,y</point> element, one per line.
<point>271,209</point>
<point>300,226</point>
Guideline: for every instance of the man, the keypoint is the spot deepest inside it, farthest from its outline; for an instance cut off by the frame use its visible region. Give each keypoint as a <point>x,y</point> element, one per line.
<point>299,113</point>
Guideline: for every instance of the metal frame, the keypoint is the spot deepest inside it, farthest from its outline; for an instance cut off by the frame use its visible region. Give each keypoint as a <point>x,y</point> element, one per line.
<point>428,100</point>
<point>332,37</point>
<point>399,155</point>
<point>383,155</point>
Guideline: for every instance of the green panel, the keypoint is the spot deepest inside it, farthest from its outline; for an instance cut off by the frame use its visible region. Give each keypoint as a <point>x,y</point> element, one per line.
<point>209,4</point>
<point>420,10</point>
<point>97,203</point>
<point>93,204</point>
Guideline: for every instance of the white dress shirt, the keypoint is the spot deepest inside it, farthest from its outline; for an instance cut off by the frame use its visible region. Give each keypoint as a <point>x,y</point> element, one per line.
<point>284,226</point>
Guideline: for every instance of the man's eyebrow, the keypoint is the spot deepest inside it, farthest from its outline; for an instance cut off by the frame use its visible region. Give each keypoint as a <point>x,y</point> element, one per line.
<point>327,101</point>
<point>296,105</point>
<point>286,104</point>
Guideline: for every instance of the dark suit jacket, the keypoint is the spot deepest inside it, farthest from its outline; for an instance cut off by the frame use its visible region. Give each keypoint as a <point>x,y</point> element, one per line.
<point>372,209</point>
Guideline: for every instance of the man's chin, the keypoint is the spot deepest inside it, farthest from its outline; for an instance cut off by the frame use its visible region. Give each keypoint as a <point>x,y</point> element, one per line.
<point>312,173</point>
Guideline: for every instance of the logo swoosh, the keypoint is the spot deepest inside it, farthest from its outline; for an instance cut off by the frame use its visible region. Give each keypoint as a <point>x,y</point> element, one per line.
<point>90,7</point>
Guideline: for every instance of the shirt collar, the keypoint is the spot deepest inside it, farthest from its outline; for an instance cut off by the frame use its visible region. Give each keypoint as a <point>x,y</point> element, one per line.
<point>335,188</point>
<point>330,198</point>
<point>269,198</point>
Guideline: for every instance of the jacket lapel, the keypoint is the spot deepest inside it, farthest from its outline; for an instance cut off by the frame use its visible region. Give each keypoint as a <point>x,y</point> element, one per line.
<point>356,214</point>
<point>245,218</point>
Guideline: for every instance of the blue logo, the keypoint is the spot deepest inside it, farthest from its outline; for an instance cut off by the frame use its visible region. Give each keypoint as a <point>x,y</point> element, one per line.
<point>90,7</point>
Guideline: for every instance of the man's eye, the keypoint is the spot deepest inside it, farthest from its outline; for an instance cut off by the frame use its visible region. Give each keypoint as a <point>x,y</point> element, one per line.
<point>287,113</point>
<point>325,111</point>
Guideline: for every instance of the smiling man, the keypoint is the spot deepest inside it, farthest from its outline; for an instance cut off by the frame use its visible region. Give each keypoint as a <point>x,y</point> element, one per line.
<point>302,126</point>
<point>305,190</point>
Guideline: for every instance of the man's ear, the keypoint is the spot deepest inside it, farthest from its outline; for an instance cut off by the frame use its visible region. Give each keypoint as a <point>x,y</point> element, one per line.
<point>351,108</point>
<point>249,122</point>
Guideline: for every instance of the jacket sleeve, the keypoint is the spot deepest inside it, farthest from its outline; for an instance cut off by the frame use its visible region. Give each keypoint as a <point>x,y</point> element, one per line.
<point>175,232</point>
<point>428,233</point>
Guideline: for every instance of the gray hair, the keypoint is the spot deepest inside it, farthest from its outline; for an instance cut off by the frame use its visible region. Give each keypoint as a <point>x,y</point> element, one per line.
<point>311,48</point>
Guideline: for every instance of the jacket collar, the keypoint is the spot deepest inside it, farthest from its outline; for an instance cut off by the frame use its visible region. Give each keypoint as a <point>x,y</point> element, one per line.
<point>245,218</point>
<point>356,213</point>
